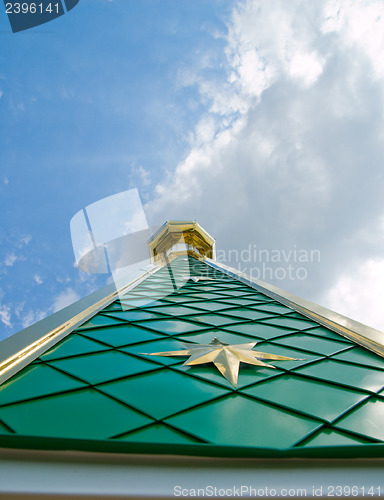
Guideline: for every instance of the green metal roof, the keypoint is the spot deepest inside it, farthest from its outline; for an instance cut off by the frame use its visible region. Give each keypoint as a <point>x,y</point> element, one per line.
<point>96,390</point>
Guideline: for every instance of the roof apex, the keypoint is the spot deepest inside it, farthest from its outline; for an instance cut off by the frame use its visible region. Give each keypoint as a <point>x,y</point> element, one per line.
<point>181,237</point>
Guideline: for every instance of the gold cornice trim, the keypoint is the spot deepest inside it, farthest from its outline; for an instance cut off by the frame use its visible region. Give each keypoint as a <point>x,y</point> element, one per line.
<point>199,243</point>
<point>27,353</point>
<point>361,334</point>
<point>50,339</point>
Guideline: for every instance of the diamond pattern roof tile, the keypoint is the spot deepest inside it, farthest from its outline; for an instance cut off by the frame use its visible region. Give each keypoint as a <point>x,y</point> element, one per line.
<point>98,384</point>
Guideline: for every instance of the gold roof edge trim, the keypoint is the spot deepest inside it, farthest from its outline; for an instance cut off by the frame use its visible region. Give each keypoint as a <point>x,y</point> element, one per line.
<point>357,332</point>
<point>26,348</point>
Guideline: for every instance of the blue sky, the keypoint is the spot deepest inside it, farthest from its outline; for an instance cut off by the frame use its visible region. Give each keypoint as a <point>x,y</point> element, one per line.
<point>261,119</point>
<point>90,102</point>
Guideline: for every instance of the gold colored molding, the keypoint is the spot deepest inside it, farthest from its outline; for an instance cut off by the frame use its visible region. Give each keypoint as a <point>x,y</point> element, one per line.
<point>181,237</point>
<point>27,348</point>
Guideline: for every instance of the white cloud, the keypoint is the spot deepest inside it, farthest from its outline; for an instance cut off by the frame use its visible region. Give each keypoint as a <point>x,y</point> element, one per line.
<point>28,317</point>
<point>32,316</point>
<point>65,280</point>
<point>290,147</point>
<point>26,240</point>
<point>139,176</point>
<point>360,24</point>
<point>38,279</point>
<point>5,315</point>
<point>5,180</point>
<point>64,299</point>
<point>270,41</point>
<point>360,294</point>
<point>306,67</point>
<point>10,259</point>
<point>18,310</point>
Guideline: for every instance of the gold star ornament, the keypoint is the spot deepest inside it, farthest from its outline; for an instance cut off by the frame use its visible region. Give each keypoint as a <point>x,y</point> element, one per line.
<point>224,356</point>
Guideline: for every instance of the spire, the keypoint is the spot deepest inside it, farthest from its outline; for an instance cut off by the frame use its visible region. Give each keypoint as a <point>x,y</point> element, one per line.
<point>180,237</point>
<point>265,370</point>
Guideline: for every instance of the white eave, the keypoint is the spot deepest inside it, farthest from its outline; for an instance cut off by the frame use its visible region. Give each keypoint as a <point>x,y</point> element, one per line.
<point>39,474</point>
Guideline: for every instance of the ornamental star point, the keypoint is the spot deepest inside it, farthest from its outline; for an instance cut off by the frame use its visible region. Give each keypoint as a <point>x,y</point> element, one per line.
<point>226,357</point>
